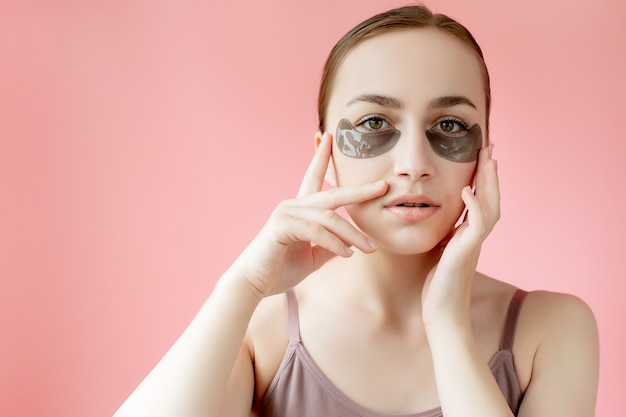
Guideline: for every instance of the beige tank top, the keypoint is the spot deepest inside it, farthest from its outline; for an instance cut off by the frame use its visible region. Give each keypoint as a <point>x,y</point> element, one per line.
<point>300,389</point>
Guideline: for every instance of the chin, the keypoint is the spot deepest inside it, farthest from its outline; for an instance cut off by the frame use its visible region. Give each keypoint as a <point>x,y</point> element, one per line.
<point>407,249</point>
<point>406,242</point>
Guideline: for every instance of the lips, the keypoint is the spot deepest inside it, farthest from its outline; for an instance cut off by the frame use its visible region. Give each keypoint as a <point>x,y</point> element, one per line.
<point>411,200</point>
<point>412,207</point>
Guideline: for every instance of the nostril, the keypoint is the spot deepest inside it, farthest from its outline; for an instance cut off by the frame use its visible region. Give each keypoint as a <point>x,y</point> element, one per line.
<point>414,174</point>
<point>413,158</point>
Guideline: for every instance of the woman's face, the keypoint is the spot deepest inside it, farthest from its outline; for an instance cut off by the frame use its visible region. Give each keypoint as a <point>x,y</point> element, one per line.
<point>414,81</point>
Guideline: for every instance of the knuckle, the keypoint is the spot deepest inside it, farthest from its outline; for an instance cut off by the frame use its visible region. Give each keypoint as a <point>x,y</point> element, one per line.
<point>316,229</point>
<point>283,205</point>
<point>336,192</point>
<point>333,193</point>
<point>278,212</point>
<point>327,215</point>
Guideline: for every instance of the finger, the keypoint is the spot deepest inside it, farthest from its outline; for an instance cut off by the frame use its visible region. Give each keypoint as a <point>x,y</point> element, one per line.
<point>480,219</point>
<point>487,184</point>
<point>313,180</point>
<point>493,189</point>
<point>335,224</point>
<point>484,156</point>
<point>342,196</point>
<point>475,218</point>
<point>296,230</point>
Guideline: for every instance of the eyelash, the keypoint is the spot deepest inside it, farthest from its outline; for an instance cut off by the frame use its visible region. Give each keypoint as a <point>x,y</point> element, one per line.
<point>459,122</point>
<point>369,117</point>
<point>464,126</point>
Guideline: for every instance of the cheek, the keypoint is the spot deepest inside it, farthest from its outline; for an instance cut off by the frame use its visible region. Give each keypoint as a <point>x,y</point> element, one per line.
<point>459,179</point>
<point>459,175</point>
<point>353,171</point>
<point>355,174</point>
<point>469,175</point>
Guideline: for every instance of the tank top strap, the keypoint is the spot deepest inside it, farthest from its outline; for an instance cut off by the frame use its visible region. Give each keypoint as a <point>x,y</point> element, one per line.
<point>511,319</point>
<point>293,322</point>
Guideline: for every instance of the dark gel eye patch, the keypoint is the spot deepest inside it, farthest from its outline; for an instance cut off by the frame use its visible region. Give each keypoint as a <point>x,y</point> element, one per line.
<point>357,144</point>
<point>457,148</point>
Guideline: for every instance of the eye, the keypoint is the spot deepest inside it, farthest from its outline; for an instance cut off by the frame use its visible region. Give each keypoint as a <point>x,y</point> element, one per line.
<point>372,123</point>
<point>452,127</point>
<point>375,123</point>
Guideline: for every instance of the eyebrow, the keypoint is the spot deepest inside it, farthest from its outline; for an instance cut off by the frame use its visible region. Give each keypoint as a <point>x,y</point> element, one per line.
<point>438,103</point>
<point>451,101</point>
<point>384,101</point>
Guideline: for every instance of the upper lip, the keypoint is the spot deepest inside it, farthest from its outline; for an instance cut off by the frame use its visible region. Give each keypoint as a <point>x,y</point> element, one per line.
<point>416,199</point>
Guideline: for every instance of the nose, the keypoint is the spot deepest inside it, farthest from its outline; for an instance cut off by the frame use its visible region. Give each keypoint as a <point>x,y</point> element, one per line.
<point>413,156</point>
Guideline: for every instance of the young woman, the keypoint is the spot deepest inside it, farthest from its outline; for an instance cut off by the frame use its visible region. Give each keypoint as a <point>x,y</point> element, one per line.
<point>399,322</point>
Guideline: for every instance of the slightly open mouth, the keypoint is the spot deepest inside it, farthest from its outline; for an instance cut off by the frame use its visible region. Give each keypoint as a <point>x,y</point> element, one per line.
<point>413,205</point>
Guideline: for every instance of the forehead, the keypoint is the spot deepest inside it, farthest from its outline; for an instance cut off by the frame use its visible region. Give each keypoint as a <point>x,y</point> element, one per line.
<point>414,65</point>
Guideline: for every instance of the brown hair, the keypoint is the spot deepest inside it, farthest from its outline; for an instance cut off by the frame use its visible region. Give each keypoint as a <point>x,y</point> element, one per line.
<point>403,17</point>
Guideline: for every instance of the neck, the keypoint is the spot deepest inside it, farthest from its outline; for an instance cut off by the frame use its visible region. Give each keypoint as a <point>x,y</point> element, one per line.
<point>388,284</point>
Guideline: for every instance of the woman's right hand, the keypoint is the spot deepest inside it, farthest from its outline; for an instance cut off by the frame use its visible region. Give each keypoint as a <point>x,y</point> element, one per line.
<point>304,233</point>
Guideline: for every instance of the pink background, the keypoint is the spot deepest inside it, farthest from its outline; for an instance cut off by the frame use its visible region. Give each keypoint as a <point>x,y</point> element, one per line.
<point>142,144</point>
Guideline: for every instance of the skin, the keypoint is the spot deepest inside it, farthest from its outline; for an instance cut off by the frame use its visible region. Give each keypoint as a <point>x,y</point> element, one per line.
<point>401,296</point>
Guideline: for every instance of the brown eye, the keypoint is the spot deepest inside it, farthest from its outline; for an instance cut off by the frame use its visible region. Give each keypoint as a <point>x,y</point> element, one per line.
<point>372,123</point>
<point>452,127</point>
<point>447,125</point>
<point>375,124</point>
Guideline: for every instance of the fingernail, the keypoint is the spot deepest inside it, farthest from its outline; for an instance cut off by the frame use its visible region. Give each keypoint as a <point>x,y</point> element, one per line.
<point>371,244</point>
<point>348,251</point>
<point>378,183</point>
<point>490,150</point>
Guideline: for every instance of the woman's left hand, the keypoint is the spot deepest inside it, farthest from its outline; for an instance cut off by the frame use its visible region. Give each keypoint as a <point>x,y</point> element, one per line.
<point>446,292</point>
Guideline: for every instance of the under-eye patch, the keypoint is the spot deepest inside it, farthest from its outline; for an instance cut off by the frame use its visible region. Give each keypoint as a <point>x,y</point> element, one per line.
<point>463,148</point>
<point>357,144</point>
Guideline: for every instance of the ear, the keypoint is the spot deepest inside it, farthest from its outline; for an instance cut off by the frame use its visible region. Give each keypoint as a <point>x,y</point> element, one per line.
<point>330,176</point>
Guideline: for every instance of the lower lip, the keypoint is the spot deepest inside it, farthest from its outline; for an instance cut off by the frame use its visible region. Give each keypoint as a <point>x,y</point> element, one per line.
<point>412,214</point>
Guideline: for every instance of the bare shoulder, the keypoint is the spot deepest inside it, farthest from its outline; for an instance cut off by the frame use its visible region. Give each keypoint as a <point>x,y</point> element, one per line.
<point>268,325</point>
<point>267,340</point>
<point>559,327</point>
<point>270,309</point>
<point>556,352</point>
<point>553,315</point>
<point>543,313</point>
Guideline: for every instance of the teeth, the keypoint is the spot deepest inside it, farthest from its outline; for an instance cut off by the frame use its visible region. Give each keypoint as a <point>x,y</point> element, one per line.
<point>414,205</point>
